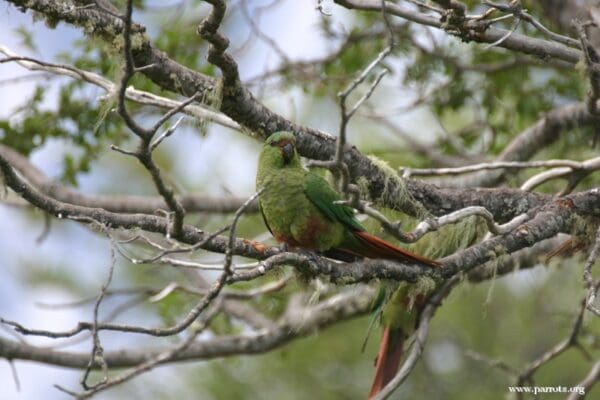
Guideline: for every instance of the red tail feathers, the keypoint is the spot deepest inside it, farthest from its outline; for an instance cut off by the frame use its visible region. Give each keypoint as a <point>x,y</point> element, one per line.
<point>379,248</point>
<point>567,247</point>
<point>388,359</point>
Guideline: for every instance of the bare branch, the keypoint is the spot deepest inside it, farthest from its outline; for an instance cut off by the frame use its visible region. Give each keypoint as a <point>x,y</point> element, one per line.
<point>198,111</point>
<point>592,60</point>
<point>587,384</point>
<point>116,203</point>
<point>151,223</point>
<point>293,325</point>
<point>409,172</point>
<point>338,164</point>
<point>144,151</point>
<point>526,376</point>
<point>516,9</point>
<point>433,224</point>
<point>578,171</point>
<point>525,145</point>
<point>97,356</point>
<point>162,357</point>
<point>218,44</point>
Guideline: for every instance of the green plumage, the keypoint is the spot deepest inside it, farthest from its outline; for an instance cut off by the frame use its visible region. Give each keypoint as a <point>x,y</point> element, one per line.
<point>299,206</point>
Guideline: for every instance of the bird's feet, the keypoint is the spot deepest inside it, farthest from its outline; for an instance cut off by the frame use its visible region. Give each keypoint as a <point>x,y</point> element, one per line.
<point>261,248</point>
<point>311,256</point>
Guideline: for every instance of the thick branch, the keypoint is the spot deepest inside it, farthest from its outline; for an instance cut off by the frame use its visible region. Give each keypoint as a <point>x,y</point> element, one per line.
<point>239,104</point>
<point>548,220</point>
<point>110,219</point>
<point>116,203</point>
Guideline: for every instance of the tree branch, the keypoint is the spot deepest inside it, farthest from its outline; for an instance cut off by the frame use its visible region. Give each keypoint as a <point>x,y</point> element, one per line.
<point>239,104</point>
<point>293,325</point>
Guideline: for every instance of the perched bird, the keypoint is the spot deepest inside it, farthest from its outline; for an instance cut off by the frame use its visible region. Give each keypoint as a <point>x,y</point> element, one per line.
<point>302,210</point>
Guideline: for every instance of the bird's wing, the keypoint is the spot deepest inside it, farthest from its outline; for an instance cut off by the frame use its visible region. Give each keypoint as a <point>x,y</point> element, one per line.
<point>264,218</point>
<point>325,198</point>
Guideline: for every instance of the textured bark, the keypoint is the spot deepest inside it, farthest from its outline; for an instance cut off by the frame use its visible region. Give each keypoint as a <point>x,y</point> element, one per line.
<point>239,104</point>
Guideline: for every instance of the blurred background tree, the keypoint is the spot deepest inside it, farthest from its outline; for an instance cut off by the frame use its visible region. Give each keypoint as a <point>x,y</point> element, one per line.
<point>439,84</point>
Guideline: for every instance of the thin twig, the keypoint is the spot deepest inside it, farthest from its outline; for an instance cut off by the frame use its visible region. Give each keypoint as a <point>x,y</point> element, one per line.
<point>586,385</point>
<point>409,172</point>
<point>573,173</point>
<point>338,165</point>
<point>591,285</point>
<point>592,60</point>
<point>15,374</point>
<point>144,151</point>
<point>516,9</point>
<point>526,376</point>
<point>211,294</point>
<point>151,363</point>
<point>197,110</point>
<point>97,356</point>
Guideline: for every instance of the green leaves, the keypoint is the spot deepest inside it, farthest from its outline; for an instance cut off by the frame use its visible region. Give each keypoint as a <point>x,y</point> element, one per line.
<point>78,120</point>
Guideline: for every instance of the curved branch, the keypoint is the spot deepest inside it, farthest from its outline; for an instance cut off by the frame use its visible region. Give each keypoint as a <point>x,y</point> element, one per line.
<point>295,324</point>
<point>587,383</point>
<point>198,111</point>
<point>150,223</point>
<point>129,204</point>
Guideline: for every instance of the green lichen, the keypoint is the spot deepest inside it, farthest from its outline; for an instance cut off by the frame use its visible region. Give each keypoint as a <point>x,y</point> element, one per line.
<point>214,98</point>
<point>424,286</point>
<point>210,98</point>
<point>117,44</point>
<point>107,104</point>
<point>138,40</point>
<point>110,30</point>
<point>390,176</point>
<point>497,257</point>
<point>362,185</point>
<point>583,230</point>
<point>395,190</point>
<point>490,291</point>
<point>500,250</point>
<point>449,239</point>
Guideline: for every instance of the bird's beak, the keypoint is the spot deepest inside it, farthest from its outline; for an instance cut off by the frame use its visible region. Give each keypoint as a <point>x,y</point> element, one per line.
<point>288,152</point>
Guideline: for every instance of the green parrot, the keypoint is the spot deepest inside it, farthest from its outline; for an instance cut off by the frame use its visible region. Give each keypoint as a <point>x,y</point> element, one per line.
<point>302,210</point>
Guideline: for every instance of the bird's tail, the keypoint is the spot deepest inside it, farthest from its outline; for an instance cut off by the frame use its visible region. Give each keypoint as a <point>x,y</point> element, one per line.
<point>379,248</point>
<point>388,359</point>
<point>567,247</point>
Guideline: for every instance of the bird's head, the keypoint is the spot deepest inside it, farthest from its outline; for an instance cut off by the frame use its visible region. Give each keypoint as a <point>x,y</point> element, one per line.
<point>282,146</point>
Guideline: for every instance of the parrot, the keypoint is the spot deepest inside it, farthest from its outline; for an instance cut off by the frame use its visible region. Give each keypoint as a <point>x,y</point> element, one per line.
<point>302,210</point>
